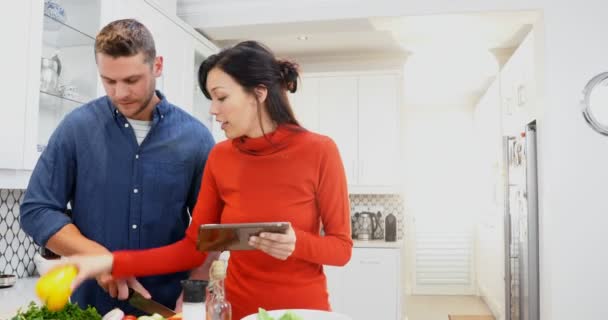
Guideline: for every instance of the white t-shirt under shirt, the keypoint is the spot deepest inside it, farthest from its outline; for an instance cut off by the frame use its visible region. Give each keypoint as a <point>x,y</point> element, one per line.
<point>141,128</point>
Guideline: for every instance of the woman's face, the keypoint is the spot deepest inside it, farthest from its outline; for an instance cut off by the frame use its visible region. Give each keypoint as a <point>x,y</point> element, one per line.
<point>232,106</point>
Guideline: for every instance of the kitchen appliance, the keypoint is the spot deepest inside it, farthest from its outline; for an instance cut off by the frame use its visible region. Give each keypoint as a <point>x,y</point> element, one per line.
<point>366,223</point>
<point>7,280</point>
<point>148,305</point>
<point>50,70</point>
<point>521,226</point>
<point>390,225</point>
<point>378,233</point>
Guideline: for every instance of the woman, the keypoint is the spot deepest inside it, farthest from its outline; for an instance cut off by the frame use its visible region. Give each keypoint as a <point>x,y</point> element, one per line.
<point>270,169</point>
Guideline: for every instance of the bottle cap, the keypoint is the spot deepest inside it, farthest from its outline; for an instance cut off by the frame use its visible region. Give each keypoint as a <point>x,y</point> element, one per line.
<point>194,290</point>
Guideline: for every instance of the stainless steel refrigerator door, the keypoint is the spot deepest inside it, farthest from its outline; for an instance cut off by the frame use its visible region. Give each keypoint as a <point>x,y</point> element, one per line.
<point>521,226</point>
<point>529,251</point>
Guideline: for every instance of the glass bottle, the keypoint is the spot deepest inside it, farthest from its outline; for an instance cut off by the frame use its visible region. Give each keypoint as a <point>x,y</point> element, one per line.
<point>218,308</point>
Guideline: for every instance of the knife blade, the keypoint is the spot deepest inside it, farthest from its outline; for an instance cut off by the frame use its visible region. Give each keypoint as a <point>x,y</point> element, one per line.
<point>148,305</point>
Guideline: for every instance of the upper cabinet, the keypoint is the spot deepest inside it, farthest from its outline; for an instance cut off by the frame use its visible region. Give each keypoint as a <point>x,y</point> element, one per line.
<point>53,70</point>
<point>360,112</point>
<point>16,69</point>
<point>518,88</point>
<point>62,43</point>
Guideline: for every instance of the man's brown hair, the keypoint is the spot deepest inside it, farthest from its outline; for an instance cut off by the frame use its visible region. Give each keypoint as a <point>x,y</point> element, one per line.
<point>125,38</point>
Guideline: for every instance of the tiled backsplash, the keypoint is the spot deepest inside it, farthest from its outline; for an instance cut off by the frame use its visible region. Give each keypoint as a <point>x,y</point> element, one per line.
<point>385,203</point>
<point>16,248</point>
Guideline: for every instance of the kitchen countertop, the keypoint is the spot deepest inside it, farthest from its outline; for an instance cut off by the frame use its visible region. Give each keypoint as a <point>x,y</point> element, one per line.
<point>17,296</point>
<point>377,244</point>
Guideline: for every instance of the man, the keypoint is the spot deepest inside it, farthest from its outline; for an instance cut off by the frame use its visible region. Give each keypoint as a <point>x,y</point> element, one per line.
<point>129,164</point>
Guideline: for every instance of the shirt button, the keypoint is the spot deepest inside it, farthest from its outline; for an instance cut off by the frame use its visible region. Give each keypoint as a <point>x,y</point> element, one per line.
<point>136,156</point>
<point>134,226</point>
<point>126,125</point>
<point>135,190</point>
<point>162,116</point>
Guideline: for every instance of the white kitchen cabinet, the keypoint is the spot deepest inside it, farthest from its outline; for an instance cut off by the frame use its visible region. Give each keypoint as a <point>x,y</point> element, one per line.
<point>379,131</point>
<point>518,88</point>
<point>200,103</point>
<point>338,119</point>
<point>369,286</point>
<point>360,112</point>
<point>305,103</point>
<point>16,66</point>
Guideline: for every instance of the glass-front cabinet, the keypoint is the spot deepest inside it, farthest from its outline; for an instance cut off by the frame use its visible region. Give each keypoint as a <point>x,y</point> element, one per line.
<point>68,76</point>
<point>67,71</point>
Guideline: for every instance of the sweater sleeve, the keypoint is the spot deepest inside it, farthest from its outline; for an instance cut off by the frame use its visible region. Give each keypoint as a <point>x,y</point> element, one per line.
<point>335,247</point>
<point>182,255</point>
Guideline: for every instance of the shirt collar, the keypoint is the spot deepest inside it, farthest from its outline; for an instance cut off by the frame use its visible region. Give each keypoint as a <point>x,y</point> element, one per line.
<point>270,143</point>
<point>160,110</point>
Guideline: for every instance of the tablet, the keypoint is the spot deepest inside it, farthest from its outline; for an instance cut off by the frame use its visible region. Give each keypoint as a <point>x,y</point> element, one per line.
<point>234,236</point>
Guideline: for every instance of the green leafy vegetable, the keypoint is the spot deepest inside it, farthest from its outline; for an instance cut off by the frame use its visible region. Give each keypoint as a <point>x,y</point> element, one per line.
<point>70,312</point>
<point>263,315</point>
<point>290,316</point>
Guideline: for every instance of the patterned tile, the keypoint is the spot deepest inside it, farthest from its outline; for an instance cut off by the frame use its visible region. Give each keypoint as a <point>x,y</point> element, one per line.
<point>383,203</point>
<point>17,249</point>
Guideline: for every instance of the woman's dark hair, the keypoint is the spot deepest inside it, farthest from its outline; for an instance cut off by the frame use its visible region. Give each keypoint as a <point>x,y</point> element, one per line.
<point>251,64</point>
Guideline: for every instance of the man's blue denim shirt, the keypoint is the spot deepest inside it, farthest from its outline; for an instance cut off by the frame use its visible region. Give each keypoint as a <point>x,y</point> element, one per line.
<point>123,195</point>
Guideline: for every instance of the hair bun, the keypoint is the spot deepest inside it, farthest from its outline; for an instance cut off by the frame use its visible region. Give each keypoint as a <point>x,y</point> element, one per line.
<point>289,74</point>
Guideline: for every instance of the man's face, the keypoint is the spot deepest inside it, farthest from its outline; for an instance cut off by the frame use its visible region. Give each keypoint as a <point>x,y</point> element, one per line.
<point>130,83</point>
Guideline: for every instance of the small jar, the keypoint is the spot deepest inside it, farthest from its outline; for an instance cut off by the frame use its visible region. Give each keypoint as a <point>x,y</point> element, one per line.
<point>193,306</point>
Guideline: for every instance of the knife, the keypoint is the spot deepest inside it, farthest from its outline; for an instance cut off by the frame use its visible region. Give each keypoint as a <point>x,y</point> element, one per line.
<point>148,305</point>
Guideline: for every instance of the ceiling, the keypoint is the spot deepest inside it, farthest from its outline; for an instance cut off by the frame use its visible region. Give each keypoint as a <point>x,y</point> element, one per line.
<point>441,37</point>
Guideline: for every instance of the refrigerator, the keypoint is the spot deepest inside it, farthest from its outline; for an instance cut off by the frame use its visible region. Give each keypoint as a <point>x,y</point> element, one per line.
<point>521,225</point>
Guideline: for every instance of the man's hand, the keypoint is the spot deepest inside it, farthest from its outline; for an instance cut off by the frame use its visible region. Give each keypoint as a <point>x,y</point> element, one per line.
<point>119,288</point>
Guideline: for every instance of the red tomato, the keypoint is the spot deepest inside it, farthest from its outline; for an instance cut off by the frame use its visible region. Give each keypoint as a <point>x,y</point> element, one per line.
<point>129,317</point>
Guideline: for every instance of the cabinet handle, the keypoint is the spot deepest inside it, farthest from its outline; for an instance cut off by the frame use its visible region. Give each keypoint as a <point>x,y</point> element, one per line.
<point>521,95</point>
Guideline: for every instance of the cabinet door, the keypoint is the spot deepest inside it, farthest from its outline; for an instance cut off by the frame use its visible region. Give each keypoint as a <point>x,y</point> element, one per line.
<point>379,135</point>
<point>527,93</point>
<point>338,119</point>
<point>15,64</point>
<point>372,284</point>
<point>305,103</point>
<point>68,78</point>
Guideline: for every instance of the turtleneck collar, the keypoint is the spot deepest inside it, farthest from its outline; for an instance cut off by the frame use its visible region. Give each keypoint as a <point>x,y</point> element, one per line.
<point>269,143</point>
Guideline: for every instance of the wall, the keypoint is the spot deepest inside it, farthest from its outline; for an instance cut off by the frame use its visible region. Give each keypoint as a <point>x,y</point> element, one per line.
<point>490,201</point>
<point>16,248</point>
<point>438,149</point>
